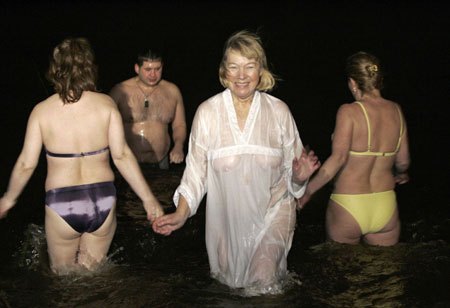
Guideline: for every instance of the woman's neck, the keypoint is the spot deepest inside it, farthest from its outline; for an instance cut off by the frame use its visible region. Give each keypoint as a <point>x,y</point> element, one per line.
<point>242,102</point>
<point>372,95</point>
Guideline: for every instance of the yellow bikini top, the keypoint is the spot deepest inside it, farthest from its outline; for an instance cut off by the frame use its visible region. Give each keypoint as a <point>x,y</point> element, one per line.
<point>369,152</point>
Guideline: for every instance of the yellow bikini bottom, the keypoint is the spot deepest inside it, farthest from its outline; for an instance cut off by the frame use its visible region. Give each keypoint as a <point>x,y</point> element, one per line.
<point>372,211</point>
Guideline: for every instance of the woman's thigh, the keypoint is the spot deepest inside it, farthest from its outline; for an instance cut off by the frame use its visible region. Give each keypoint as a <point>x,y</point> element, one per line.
<point>94,246</point>
<point>341,226</point>
<point>269,259</point>
<point>62,240</point>
<point>387,236</point>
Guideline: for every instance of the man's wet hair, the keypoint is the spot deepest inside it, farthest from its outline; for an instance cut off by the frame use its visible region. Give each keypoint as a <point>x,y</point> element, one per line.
<point>150,55</point>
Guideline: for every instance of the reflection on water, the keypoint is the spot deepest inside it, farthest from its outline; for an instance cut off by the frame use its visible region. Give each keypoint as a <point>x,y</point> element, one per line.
<point>148,270</point>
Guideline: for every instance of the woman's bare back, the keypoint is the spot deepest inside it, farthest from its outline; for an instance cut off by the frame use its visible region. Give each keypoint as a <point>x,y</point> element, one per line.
<point>370,169</point>
<point>68,129</point>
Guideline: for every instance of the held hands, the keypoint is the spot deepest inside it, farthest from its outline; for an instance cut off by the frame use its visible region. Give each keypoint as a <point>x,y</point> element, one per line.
<point>166,224</point>
<point>401,178</point>
<point>304,167</point>
<point>154,210</point>
<point>5,205</point>
<point>303,200</point>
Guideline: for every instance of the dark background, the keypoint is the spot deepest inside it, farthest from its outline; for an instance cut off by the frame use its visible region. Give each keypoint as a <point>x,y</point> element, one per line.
<point>306,43</point>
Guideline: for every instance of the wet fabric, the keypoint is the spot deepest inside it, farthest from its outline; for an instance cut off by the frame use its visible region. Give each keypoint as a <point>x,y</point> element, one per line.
<point>84,207</point>
<point>250,211</point>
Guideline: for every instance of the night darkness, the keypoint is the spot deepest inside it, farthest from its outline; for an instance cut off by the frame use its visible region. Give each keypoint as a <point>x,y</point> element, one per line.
<point>306,43</point>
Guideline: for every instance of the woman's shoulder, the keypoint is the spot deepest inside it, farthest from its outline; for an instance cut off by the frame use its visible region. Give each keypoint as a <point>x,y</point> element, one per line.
<point>49,102</point>
<point>100,99</point>
<point>96,95</point>
<point>392,103</point>
<point>348,110</point>
<point>275,102</point>
<point>350,107</point>
<point>213,101</point>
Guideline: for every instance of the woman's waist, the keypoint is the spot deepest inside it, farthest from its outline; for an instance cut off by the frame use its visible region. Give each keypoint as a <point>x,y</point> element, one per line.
<point>362,187</point>
<point>68,179</point>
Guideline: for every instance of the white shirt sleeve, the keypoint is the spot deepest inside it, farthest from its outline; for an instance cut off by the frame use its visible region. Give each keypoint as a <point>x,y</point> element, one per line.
<point>193,185</point>
<point>293,147</point>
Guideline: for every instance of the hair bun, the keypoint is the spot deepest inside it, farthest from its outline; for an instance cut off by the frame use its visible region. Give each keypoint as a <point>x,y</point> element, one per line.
<point>372,69</point>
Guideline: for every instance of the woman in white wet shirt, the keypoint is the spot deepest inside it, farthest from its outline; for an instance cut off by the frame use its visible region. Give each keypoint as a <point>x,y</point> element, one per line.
<point>246,154</point>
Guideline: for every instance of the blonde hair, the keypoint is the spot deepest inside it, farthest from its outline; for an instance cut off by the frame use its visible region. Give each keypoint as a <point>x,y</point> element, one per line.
<point>72,69</point>
<point>365,70</point>
<point>249,45</point>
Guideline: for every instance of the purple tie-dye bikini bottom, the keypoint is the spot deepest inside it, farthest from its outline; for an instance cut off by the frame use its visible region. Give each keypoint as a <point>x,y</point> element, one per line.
<point>84,207</point>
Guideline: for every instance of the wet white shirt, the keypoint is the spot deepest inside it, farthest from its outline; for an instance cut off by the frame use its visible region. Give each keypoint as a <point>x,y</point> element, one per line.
<point>250,207</point>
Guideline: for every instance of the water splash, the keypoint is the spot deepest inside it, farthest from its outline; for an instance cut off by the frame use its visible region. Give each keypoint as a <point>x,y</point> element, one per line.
<point>4,300</point>
<point>33,248</point>
<point>284,285</point>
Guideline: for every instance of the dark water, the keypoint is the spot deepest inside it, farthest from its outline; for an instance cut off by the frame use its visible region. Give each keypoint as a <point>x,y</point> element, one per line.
<point>306,43</point>
<point>148,270</point>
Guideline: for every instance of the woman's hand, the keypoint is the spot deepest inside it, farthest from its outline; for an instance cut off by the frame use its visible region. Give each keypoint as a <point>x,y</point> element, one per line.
<point>303,200</point>
<point>154,210</point>
<point>304,167</point>
<point>168,223</point>
<point>401,178</point>
<point>5,205</point>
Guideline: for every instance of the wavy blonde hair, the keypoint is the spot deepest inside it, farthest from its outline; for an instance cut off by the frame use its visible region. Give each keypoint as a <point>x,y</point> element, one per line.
<point>249,45</point>
<point>72,69</point>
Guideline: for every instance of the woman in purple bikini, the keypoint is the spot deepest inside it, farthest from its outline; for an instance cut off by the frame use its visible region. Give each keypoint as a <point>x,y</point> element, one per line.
<point>79,129</point>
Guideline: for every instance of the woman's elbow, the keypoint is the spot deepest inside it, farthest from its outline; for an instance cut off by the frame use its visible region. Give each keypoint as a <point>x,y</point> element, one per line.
<point>119,158</point>
<point>26,166</point>
<point>122,156</point>
<point>403,164</point>
<point>339,159</point>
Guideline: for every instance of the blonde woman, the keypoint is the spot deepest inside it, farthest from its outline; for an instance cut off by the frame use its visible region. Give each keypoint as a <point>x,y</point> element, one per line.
<point>370,142</point>
<point>245,152</point>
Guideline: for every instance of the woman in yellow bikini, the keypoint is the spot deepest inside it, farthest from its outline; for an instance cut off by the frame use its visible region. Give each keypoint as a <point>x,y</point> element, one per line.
<point>369,156</point>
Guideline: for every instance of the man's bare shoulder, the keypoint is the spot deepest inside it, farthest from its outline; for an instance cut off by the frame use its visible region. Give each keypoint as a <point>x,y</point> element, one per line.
<point>129,82</point>
<point>121,90</point>
<point>169,86</point>
<point>124,85</point>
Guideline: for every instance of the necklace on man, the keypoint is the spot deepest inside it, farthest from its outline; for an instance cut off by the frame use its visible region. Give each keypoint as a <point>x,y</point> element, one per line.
<point>146,96</point>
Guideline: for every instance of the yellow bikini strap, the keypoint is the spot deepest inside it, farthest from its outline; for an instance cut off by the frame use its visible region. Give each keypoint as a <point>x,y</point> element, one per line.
<point>401,129</point>
<point>368,125</point>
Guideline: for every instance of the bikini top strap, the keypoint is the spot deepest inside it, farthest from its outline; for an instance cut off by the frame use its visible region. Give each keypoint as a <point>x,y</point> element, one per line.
<point>368,125</point>
<point>401,129</point>
<point>82,154</point>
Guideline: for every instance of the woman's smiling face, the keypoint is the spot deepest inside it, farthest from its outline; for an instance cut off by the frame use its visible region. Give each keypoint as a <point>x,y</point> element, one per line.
<point>242,75</point>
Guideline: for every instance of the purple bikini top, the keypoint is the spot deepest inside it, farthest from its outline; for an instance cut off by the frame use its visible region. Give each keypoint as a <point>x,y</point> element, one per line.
<point>82,154</point>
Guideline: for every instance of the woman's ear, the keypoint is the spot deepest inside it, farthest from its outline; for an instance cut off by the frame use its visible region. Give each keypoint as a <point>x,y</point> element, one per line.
<point>352,82</point>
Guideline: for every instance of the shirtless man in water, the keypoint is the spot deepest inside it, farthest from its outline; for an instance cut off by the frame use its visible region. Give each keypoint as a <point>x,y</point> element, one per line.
<point>148,105</point>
